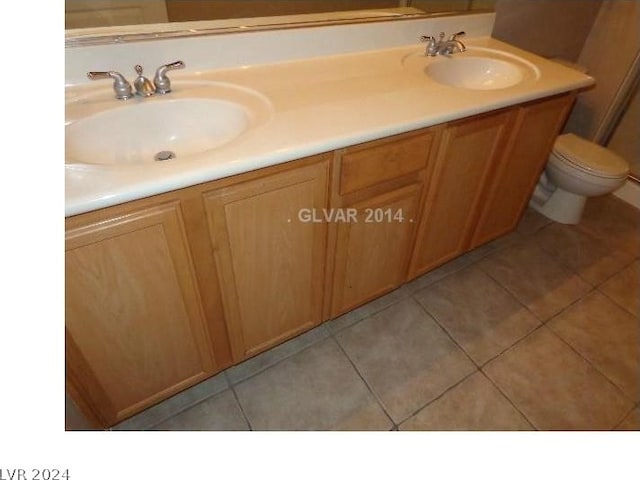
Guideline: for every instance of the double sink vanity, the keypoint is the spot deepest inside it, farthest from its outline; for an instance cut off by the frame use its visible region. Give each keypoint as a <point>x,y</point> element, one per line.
<point>179,267</point>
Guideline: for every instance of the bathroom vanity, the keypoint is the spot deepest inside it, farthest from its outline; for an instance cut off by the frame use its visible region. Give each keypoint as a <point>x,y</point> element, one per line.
<point>360,172</point>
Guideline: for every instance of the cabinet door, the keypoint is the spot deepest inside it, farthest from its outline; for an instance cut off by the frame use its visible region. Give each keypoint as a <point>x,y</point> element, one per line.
<point>134,325</point>
<point>466,155</point>
<point>373,248</point>
<point>270,261</point>
<point>536,128</point>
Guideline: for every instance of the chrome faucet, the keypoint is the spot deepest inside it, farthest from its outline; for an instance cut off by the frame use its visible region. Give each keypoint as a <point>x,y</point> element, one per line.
<point>161,81</point>
<point>143,86</point>
<point>442,47</point>
<point>120,85</point>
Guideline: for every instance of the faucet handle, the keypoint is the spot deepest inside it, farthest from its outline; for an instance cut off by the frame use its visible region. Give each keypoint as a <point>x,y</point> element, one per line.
<point>161,81</point>
<point>120,84</point>
<point>431,45</point>
<point>456,35</point>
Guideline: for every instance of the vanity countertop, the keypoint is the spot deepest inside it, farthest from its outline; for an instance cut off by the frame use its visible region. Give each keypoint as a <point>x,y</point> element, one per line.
<point>316,105</point>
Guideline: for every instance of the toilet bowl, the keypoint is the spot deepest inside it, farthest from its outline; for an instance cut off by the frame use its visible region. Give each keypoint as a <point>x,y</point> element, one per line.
<point>577,169</point>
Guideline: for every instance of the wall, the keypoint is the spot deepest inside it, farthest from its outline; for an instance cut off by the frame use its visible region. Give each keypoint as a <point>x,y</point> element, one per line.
<point>625,140</point>
<point>550,28</point>
<point>608,54</point>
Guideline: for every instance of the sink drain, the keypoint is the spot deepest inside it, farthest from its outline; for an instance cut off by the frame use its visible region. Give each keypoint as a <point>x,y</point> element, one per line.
<point>164,155</point>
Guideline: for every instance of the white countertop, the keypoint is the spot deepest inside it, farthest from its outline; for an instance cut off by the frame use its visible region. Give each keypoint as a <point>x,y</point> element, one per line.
<point>317,105</point>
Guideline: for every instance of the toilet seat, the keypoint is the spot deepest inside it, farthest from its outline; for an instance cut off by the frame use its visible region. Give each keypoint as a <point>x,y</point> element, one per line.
<point>589,157</point>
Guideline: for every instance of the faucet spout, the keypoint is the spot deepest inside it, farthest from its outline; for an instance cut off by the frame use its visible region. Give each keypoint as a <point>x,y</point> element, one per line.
<point>142,84</point>
<point>442,46</point>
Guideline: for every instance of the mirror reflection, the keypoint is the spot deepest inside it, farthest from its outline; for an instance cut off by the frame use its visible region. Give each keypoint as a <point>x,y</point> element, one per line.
<point>107,13</point>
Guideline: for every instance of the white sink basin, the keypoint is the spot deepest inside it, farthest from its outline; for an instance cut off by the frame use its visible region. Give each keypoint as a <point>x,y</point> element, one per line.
<point>476,69</point>
<point>194,118</point>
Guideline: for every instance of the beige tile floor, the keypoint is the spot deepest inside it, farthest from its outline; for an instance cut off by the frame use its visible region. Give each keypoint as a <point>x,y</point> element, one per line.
<point>539,330</point>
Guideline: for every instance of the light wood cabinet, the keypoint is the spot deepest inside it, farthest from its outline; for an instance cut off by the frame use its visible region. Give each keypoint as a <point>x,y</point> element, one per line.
<point>163,292</point>
<point>270,261</point>
<point>466,156</point>
<point>380,184</point>
<point>536,128</point>
<point>135,331</point>
<point>371,254</point>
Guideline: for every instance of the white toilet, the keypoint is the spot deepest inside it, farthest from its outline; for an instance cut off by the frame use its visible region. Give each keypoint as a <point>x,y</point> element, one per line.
<point>576,169</point>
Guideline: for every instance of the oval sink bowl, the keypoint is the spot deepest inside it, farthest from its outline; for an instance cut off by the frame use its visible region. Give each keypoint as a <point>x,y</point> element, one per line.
<point>476,69</point>
<point>162,128</point>
<point>476,73</point>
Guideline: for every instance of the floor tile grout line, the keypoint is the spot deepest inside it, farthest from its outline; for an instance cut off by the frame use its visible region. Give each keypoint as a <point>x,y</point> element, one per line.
<point>432,317</point>
<point>634,314</point>
<point>369,387</point>
<point>384,307</point>
<point>515,344</point>
<point>543,321</point>
<point>472,262</point>
<point>602,282</point>
<point>626,265</point>
<point>478,368</point>
<point>508,399</point>
<point>605,239</point>
<point>367,315</point>
<point>244,415</point>
<point>624,418</point>
<point>231,385</point>
<point>480,365</point>
<point>571,304</point>
<point>442,327</point>
<point>280,360</point>
<point>191,404</point>
<point>624,394</point>
<point>548,328</point>
<point>442,394</point>
<point>504,350</point>
<point>560,260</point>
<point>332,332</point>
<point>446,275</point>
<point>539,229</point>
<point>509,292</point>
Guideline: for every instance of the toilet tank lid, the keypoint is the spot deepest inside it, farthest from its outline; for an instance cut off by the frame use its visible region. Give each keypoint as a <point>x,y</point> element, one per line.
<point>590,156</point>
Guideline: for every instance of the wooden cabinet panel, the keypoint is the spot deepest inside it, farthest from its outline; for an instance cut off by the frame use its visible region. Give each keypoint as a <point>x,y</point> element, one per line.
<point>374,162</point>
<point>373,249</point>
<point>536,128</point>
<point>270,262</point>
<point>135,329</point>
<point>466,155</point>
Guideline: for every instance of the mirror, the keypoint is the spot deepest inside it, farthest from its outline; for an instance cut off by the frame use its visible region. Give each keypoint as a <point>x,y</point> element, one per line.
<point>135,17</point>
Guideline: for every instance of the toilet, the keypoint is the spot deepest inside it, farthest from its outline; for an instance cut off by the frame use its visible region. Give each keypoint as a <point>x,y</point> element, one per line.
<point>577,169</point>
